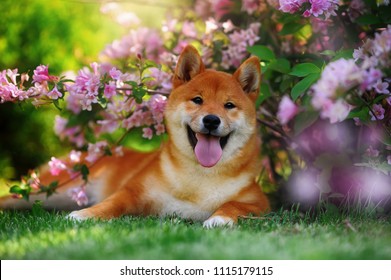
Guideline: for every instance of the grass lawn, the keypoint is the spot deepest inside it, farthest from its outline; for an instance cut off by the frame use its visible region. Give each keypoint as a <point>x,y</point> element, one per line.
<point>283,235</point>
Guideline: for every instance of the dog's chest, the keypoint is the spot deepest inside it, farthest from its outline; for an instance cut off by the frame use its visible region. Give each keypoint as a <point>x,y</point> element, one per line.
<point>194,198</point>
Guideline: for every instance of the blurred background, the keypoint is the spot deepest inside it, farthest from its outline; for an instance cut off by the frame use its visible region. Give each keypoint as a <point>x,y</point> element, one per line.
<point>66,35</point>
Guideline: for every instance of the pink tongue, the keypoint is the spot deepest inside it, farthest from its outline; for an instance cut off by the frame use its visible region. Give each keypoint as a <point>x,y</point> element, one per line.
<point>208,150</point>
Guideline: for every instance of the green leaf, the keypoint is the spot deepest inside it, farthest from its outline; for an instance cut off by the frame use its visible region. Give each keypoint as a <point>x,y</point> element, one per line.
<point>23,190</point>
<point>49,190</point>
<point>84,172</point>
<point>368,19</point>
<point>135,141</point>
<point>304,69</point>
<point>328,52</point>
<point>361,112</point>
<point>347,54</point>
<point>290,28</point>
<point>303,85</point>
<point>102,101</point>
<point>262,52</point>
<point>264,94</point>
<point>304,120</point>
<point>281,65</point>
<point>56,103</point>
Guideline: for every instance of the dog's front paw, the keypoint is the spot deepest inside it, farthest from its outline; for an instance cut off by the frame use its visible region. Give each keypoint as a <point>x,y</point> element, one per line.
<point>78,215</point>
<point>218,221</point>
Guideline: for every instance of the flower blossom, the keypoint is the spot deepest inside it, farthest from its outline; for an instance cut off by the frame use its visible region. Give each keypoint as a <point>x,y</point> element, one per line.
<point>41,74</point>
<point>316,7</point>
<point>378,112</point>
<point>79,195</point>
<point>337,78</point>
<point>54,93</point>
<point>287,109</point>
<point>56,166</point>
<point>237,49</point>
<point>250,6</point>
<point>96,150</point>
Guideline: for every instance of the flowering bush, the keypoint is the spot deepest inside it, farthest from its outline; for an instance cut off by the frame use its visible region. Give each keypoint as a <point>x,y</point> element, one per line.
<point>324,106</point>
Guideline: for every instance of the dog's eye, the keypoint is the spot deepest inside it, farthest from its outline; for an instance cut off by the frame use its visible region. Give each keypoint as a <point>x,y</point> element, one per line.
<point>229,105</point>
<point>197,100</point>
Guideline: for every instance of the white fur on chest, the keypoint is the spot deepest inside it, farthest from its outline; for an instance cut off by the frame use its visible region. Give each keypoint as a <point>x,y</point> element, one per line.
<point>192,195</point>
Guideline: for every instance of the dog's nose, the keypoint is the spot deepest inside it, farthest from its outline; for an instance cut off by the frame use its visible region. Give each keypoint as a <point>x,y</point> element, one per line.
<point>211,122</point>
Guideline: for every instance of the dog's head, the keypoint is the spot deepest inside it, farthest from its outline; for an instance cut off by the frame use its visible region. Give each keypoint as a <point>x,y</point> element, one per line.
<point>211,115</point>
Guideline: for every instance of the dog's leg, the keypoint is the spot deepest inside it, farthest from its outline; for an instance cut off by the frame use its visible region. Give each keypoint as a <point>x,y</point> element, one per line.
<point>228,213</point>
<point>122,202</point>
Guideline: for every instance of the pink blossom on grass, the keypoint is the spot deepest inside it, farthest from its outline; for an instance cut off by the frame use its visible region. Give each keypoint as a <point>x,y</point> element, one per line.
<point>287,109</point>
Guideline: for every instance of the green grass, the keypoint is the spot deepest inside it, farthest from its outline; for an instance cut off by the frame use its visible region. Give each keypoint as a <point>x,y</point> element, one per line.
<point>282,235</point>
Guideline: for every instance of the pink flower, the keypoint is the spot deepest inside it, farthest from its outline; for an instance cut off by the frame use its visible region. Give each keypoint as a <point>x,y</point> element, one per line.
<point>189,29</point>
<point>110,90</point>
<point>12,74</point>
<point>250,6</point>
<point>378,112</point>
<point>115,73</point>
<point>160,129</point>
<point>74,156</point>
<point>147,133</point>
<point>382,87</point>
<point>287,109</point>
<point>317,7</point>
<point>56,166</point>
<point>370,78</point>
<point>96,150</point>
<point>41,74</point>
<point>79,195</point>
<point>221,7</point>
<point>389,159</point>
<point>337,111</point>
<point>54,93</point>
<point>291,6</point>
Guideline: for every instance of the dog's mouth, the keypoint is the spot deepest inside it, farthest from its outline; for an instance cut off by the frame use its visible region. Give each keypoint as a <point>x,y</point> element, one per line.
<point>208,148</point>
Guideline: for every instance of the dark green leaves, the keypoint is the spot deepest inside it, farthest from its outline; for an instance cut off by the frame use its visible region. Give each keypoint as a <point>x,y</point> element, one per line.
<point>262,52</point>
<point>22,190</point>
<point>304,85</point>
<point>304,69</point>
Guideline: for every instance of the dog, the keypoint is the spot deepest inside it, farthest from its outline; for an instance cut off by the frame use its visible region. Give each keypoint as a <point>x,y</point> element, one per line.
<point>205,171</point>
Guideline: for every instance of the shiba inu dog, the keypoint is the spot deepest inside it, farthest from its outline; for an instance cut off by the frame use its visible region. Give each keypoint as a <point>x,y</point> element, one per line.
<point>205,171</point>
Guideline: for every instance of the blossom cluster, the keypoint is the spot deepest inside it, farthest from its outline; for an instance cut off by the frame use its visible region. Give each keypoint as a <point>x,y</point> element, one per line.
<point>314,8</point>
<point>365,73</point>
<point>13,89</point>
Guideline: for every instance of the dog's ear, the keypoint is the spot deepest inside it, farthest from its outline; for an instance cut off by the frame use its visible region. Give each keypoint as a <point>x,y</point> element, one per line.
<point>189,65</point>
<point>249,75</point>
